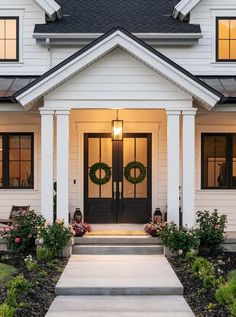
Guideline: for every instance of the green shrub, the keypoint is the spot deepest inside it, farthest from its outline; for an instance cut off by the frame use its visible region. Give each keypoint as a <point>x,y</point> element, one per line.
<point>211,229</point>
<point>6,310</point>
<point>15,288</point>
<point>177,239</point>
<point>23,232</point>
<point>204,270</point>
<point>43,254</point>
<point>55,237</point>
<point>191,256</point>
<point>232,308</point>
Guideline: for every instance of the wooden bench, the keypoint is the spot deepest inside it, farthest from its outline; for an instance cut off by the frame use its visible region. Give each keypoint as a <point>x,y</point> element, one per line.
<point>15,212</point>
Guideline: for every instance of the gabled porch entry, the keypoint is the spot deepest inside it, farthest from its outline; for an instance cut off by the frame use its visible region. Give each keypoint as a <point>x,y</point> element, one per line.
<point>118,200</point>
<point>119,71</point>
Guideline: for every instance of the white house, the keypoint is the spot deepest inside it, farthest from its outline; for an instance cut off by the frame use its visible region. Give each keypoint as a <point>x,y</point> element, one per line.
<point>165,69</point>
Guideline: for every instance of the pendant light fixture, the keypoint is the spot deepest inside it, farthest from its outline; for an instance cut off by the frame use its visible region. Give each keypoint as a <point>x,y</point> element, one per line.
<point>117,128</point>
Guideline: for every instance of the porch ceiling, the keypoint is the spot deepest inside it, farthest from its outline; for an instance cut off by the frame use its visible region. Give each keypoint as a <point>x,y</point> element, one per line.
<point>118,37</point>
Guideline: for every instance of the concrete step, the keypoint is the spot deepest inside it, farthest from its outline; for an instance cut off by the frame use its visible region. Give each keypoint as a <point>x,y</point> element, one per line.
<point>117,249</point>
<point>119,306</point>
<point>118,275</point>
<point>117,240</point>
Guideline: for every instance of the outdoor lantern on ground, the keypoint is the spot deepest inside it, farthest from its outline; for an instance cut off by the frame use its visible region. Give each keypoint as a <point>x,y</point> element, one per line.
<point>157,217</point>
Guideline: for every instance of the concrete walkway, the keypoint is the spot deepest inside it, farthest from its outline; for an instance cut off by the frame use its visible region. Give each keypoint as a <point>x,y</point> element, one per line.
<point>119,286</point>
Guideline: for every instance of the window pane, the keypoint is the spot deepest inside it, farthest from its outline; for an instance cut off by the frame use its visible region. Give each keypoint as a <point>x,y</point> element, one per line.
<point>14,142</point>
<point>215,167</point>
<point>11,49</point>
<point>223,29</point>
<point>2,29</point>
<point>14,154</point>
<point>25,174</point>
<point>14,174</point>
<point>233,49</point>
<point>223,49</point>
<point>233,29</point>
<point>25,142</point>
<point>25,154</point>
<point>2,49</point>
<point>10,29</point>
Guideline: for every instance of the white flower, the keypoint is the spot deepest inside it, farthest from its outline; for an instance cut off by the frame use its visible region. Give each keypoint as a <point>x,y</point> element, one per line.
<point>180,252</point>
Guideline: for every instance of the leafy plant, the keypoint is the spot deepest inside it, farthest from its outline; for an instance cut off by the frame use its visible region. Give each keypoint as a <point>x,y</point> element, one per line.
<point>205,271</point>
<point>23,232</point>
<point>30,263</point>
<point>55,237</point>
<point>43,254</point>
<point>226,293</point>
<point>211,230</point>
<point>15,289</point>
<point>179,239</point>
<point>6,310</point>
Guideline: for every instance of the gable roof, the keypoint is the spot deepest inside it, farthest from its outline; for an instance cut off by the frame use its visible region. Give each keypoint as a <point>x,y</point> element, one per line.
<point>183,8</point>
<point>98,16</point>
<point>51,8</point>
<point>118,37</point>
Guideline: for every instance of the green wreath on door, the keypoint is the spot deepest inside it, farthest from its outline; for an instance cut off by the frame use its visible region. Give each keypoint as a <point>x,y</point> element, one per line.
<point>140,177</point>
<point>100,166</point>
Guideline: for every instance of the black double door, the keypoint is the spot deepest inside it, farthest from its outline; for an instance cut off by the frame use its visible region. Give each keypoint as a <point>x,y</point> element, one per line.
<point>119,200</point>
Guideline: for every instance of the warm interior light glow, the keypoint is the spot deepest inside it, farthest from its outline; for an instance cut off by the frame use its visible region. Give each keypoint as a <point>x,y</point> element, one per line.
<point>226,39</point>
<point>117,130</point>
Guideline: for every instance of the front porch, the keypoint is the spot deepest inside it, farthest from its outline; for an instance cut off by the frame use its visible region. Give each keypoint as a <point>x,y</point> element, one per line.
<point>68,144</point>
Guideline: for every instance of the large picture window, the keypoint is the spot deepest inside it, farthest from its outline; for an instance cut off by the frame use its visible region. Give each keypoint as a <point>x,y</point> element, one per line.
<point>16,160</point>
<point>9,39</point>
<point>218,161</point>
<point>226,39</point>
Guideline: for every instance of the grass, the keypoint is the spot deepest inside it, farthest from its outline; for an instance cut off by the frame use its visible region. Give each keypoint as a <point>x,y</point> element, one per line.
<point>6,272</point>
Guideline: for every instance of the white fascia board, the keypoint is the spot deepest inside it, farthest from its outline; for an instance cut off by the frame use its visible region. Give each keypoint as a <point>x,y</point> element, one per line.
<point>183,8</point>
<point>51,8</point>
<point>93,36</point>
<point>119,39</point>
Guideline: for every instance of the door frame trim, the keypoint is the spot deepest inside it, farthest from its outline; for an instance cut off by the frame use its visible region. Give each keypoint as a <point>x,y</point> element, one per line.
<point>105,127</point>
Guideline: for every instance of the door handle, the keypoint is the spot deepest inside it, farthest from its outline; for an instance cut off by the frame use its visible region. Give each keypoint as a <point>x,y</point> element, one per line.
<point>120,190</point>
<point>114,190</point>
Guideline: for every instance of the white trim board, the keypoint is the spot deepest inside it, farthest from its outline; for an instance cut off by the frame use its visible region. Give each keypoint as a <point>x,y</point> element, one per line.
<point>118,38</point>
<point>183,8</point>
<point>51,8</point>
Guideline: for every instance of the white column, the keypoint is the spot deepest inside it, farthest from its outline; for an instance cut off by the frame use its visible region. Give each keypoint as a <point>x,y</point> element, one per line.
<point>63,165</point>
<point>188,167</point>
<point>173,166</point>
<point>47,164</point>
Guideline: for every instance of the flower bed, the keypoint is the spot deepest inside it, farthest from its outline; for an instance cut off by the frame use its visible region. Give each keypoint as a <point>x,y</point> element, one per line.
<point>43,277</point>
<point>201,300</point>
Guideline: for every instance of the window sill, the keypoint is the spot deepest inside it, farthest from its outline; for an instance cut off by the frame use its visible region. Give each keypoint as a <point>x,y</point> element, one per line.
<point>217,191</point>
<point>7,64</point>
<point>223,64</point>
<point>26,190</point>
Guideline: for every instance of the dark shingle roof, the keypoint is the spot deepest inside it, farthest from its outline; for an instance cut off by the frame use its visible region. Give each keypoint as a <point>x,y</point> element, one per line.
<point>136,16</point>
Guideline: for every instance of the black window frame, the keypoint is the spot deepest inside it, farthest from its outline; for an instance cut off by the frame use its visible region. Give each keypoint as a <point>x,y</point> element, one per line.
<point>5,159</point>
<point>217,40</point>
<point>17,39</point>
<point>229,160</point>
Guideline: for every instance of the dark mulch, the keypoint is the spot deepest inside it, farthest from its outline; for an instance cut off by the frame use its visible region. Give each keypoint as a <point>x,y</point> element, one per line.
<point>40,296</point>
<point>203,302</point>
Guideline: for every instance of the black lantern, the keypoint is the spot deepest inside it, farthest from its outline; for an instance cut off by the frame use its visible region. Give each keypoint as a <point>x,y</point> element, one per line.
<point>157,217</point>
<point>117,129</point>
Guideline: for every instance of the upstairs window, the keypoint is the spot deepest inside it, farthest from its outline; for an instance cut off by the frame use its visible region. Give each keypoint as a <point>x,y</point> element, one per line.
<point>9,39</point>
<point>226,39</point>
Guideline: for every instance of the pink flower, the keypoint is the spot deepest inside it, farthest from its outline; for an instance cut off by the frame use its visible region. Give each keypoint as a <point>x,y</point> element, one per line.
<point>29,236</point>
<point>17,240</point>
